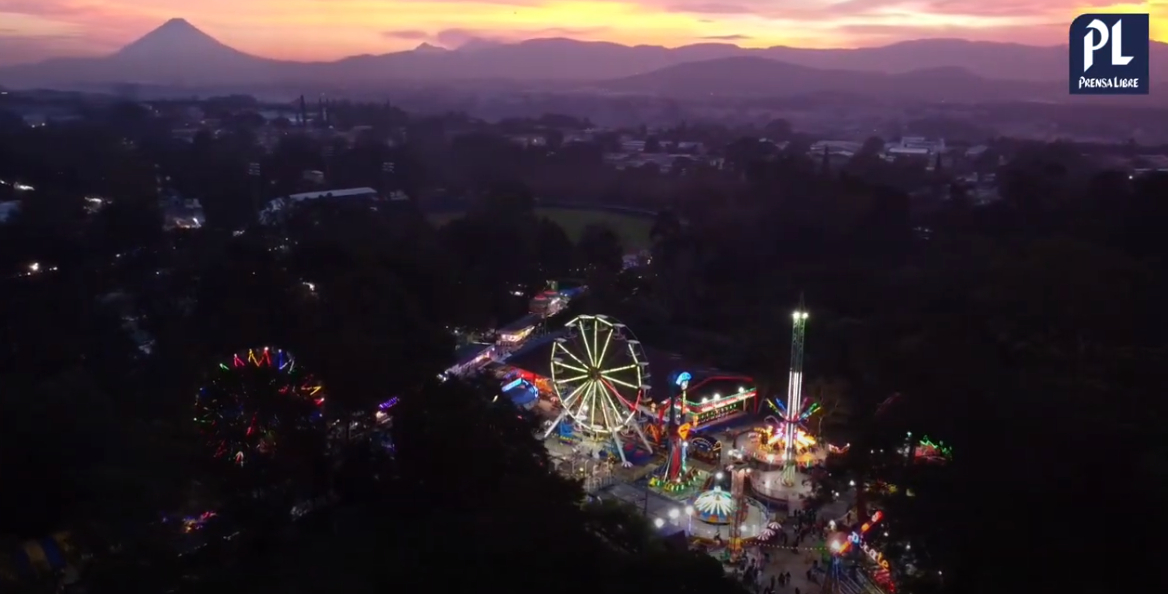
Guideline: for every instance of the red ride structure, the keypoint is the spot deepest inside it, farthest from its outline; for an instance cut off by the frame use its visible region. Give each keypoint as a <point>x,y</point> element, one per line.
<point>677,431</point>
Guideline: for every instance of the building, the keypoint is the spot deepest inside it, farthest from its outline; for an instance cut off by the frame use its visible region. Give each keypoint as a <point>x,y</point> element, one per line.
<point>665,162</point>
<point>976,151</point>
<point>183,214</point>
<point>845,148</point>
<point>915,147</point>
<point>271,213</point>
<point>716,399</point>
<point>470,358</point>
<point>513,334</point>
<point>636,260</point>
<point>629,145</point>
<point>548,303</point>
<point>533,140</point>
<point>94,204</point>
<point>688,147</point>
<point>578,137</point>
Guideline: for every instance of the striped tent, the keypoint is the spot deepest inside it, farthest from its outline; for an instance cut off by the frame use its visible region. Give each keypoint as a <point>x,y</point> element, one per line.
<point>715,506</point>
<point>36,558</point>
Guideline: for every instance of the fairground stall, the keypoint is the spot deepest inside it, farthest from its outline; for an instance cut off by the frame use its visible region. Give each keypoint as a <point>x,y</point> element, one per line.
<point>711,401</point>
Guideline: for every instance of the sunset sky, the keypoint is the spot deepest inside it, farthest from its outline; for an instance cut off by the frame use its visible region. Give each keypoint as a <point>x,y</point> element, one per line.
<point>327,29</point>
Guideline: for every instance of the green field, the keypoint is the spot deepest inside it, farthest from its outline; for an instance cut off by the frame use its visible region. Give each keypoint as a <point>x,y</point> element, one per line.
<point>632,230</point>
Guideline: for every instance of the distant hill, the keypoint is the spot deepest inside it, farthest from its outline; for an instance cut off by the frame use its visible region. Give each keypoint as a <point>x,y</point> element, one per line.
<point>179,54</point>
<point>750,76</point>
<point>989,60</point>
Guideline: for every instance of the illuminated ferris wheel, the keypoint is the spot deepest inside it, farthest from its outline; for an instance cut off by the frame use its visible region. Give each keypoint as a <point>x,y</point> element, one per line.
<point>599,372</point>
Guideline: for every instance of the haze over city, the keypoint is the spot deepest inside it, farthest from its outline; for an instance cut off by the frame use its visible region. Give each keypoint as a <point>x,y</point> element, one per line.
<point>307,30</point>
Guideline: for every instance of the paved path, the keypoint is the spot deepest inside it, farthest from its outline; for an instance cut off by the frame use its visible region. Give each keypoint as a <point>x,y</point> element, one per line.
<point>795,561</point>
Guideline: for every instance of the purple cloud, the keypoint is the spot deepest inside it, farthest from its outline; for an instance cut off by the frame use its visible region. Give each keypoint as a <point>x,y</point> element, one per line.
<point>99,27</point>
<point>882,34</point>
<point>16,49</point>
<point>453,38</point>
<point>827,11</point>
<point>710,8</point>
<point>1010,8</point>
<point>46,8</point>
<point>460,37</point>
<point>735,37</point>
<point>410,34</point>
<point>564,32</point>
<point>789,12</point>
<point>990,8</point>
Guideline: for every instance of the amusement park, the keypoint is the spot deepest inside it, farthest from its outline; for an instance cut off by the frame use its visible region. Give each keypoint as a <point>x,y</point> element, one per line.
<point>702,453</point>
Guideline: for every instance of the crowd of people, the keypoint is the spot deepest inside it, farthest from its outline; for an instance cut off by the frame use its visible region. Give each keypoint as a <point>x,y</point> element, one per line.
<point>766,568</point>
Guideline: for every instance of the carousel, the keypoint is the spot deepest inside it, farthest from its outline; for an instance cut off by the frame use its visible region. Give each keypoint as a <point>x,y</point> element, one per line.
<point>715,507</point>
<point>714,511</point>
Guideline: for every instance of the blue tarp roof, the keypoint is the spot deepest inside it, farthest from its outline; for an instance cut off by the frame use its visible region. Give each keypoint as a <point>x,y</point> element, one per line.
<point>35,557</point>
<point>521,396</point>
<point>574,292</point>
<point>521,392</point>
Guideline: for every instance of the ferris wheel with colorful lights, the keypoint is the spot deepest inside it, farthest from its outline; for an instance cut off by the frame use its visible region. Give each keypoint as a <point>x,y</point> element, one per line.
<point>600,375</point>
<point>255,402</point>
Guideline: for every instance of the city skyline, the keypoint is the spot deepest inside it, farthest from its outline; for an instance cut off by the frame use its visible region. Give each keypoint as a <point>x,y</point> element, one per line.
<point>310,30</point>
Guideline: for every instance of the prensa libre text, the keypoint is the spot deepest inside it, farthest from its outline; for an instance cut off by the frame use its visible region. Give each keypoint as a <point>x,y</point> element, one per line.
<point>1108,83</point>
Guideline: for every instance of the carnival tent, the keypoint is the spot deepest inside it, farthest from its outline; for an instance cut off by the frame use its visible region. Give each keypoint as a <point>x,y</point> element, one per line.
<point>715,506</point>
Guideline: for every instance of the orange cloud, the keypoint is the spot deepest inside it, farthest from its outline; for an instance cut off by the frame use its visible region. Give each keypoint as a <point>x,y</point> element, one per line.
<point>329,29</point>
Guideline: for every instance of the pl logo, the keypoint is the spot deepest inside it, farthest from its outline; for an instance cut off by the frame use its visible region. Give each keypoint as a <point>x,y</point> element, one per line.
<point>1109,54</point>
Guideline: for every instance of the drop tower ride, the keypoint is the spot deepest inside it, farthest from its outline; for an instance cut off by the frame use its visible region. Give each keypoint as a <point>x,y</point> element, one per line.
<point>794,393</point>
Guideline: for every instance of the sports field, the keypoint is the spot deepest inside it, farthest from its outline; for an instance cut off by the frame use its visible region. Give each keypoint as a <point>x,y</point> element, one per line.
<point>632,230</point>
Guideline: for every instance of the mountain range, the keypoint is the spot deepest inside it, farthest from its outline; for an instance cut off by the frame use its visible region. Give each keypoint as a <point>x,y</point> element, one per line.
<point>179,54</point>
<point>759,77</point>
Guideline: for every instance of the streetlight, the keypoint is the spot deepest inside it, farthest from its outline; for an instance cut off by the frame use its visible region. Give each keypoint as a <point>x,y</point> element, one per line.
<point>851,483</point>
<point>658,522</point>
<point>674,514</point>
